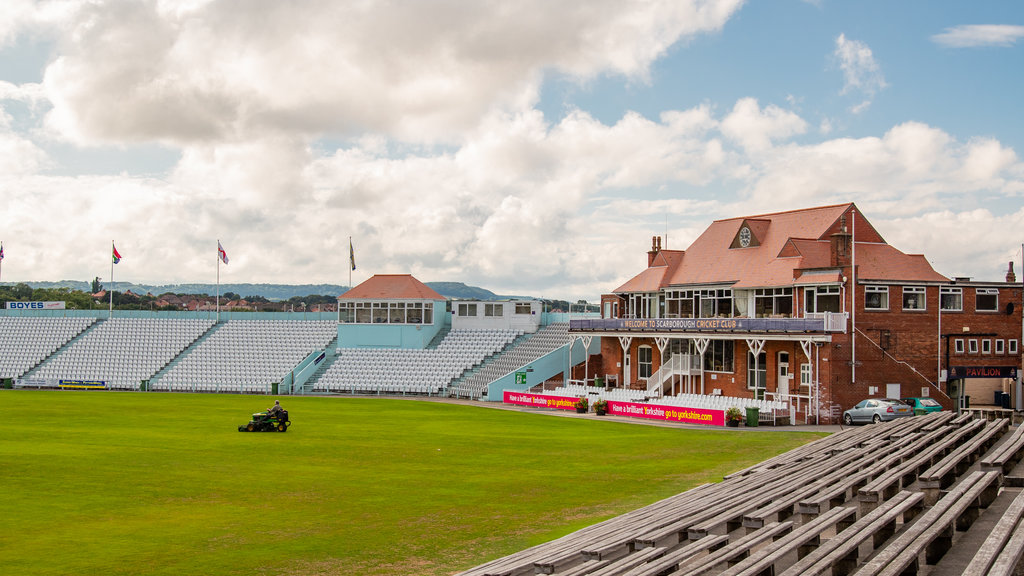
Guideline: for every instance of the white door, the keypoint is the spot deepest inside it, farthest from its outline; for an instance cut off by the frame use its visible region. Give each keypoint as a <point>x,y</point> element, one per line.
<point>892,391</point>
<point>628,371</point>
<point>784,376</point>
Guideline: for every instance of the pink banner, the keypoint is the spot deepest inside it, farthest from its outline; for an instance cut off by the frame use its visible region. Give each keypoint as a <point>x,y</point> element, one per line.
<point>669,413</point>
<point>540,401</point>
<point>652,411</point>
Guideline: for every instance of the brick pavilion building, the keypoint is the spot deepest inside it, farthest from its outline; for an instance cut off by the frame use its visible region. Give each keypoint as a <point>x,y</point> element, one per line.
<point>811,307</point>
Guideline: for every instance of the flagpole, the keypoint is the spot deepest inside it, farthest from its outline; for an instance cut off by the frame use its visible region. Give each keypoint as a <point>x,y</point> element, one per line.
<point>112,247</point>
<point>2,260</point>
<point>218,280</point>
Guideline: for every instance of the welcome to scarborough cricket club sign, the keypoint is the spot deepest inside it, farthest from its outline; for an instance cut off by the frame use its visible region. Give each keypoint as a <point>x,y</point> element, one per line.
<point>633,409</point>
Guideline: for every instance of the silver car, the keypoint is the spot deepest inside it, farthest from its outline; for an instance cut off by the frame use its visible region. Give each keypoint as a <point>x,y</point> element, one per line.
<point>876,410</point>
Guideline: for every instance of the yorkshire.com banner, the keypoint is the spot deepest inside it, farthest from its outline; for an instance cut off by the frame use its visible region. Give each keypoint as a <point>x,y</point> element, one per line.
<point>633,409</point>
<point>36,305</point>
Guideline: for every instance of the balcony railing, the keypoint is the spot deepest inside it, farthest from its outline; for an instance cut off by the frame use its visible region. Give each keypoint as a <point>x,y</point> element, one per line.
<point>826,322</point>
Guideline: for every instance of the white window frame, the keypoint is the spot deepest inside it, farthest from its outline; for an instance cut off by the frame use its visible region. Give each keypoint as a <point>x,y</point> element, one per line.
<point>986,292</point>
<point>883,291</point>
<point>958,346</point>
<point>951,291</point>
<point>467,310</point>
<point>1000,346</point>
<point>494,310</point>
<point>986,346</point>
<point>972,346</point>
<point>806,376</point>
<point>916,295</point>
<point>1011,346</point>
<point>641,363</point>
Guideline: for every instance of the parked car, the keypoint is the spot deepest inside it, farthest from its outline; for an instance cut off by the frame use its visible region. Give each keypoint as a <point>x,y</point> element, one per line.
<point>923,405</point>
<point>876,410</point>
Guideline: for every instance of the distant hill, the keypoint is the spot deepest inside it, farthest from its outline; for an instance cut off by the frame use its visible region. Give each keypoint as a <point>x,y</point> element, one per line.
<point>274,292</point>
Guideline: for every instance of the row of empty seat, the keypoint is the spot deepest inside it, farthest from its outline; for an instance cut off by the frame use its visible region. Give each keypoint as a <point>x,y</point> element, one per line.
<point>25,341</point>
<point>543,342</point>
<point>411,371</point>
<point>122,351</point>
<point>246,355</point>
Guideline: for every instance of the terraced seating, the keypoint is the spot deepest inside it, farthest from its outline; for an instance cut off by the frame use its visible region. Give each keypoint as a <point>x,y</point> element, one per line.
<point>537,345</point>
<point>123,351</point>
<point>839,554</point>
<point>411,371</point>
<point>26,341</point>
<point>737,551</point>
<point>1006,455</point>
<point>946,470</point>
<point>246,355</point>
<point>932,532</point>
<point>802,540</point>
<point>1002,552</point>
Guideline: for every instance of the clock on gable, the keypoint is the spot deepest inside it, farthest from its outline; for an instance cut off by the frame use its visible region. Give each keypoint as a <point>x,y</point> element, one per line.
<point>744,237</point>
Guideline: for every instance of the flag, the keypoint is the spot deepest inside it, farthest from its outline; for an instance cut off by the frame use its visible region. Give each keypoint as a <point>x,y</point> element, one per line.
<point>221,253</point>
<point>1,251</point>
<point>116,254</point>
<point>351,255</point>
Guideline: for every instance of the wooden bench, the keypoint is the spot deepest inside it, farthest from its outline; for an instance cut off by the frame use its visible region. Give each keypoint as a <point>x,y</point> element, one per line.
<point>962,419</point>
<point>803,540</point>
<point>1003,550</point>
<point>944,472</point>
<point>839,554</point>
<point>649,561</point>
<point>1007,454</point>
<point>736,551</point>
<point>932,532</point>
<point>902,475</point>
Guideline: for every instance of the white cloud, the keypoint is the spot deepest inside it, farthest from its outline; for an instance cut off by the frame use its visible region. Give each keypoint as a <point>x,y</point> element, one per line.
<point>861,73</point>
<point>972,36</point>
<point>755,129</point>
<point>419,72</point>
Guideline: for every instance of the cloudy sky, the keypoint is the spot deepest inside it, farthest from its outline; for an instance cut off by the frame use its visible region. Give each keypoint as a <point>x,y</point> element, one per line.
<point>528,147</point>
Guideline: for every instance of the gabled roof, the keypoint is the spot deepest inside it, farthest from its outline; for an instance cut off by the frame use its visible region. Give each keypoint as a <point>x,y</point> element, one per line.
<point>782,243</point>
<point>652,279</point>
<point>885,263</point>
<point>392,287</point>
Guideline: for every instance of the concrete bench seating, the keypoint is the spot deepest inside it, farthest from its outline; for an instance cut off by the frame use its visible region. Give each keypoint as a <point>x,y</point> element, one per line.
<point>839,554</point>
<point>1001,553</point>
<point>932,532</point>
<point>1006,455</point>
<point>803,540</point>
<point>944,472</point>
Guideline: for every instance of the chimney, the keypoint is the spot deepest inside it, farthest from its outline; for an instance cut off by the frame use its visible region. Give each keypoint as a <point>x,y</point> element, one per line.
<point>655,248</point>
<point>1010,276</point>
<point>840,245</point>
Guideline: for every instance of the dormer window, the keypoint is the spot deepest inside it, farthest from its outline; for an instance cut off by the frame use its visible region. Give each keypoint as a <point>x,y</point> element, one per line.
<point>745,237</point>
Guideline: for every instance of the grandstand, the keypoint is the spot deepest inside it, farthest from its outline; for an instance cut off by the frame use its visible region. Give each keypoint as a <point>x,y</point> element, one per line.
<point>543,342</point>
<point>25,342</point>
<point>412,371</point>
<point>245,355</point>
<point>122,352</point>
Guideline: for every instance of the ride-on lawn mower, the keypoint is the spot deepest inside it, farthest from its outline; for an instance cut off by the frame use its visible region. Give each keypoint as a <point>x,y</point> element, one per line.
<point>265,422</point>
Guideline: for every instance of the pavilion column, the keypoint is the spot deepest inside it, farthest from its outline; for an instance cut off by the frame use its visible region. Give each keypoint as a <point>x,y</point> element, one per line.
<point>625,341</point>
<point>756,346</point>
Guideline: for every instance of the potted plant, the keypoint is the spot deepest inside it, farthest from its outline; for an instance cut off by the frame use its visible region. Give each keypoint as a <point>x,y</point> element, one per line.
<point>733,416</point>
<point>582,405</point>
<point>601,406</point>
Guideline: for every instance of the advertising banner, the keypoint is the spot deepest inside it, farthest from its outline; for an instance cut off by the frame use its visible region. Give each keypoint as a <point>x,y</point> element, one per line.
<point>36,305</point>
<point>668,413</point>
<point>634,410</point>
<point>540,400</point>
<point>83,384</point>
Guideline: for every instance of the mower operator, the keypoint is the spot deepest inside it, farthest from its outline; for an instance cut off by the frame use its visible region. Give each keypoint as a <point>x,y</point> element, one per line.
<point>276,409</point>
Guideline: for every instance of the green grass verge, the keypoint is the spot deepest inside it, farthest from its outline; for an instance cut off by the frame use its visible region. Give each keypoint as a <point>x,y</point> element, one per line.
<point>130,483</point>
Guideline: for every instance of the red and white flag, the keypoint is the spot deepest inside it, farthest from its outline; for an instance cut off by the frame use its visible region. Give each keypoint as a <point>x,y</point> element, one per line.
<point>221,253</point>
